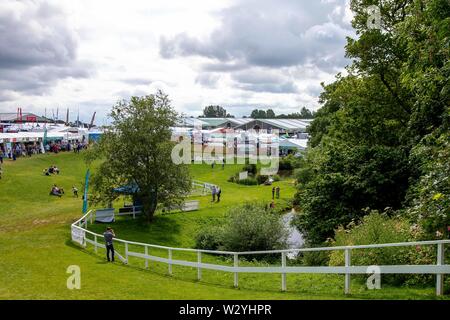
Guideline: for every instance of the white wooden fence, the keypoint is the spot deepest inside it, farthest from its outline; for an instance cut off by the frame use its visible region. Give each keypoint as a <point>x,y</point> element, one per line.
<point>79,232</point>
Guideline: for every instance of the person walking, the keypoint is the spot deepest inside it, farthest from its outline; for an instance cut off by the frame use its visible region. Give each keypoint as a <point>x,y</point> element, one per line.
<point>277,190</point>
<point>75,191</point>
<point>219,192</point>
<point>273,193</point>
<point>109,236</point>
<point>223,163</point>
<point>213,192</point>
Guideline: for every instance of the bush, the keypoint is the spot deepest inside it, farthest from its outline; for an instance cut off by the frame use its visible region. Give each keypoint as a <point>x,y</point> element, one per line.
<point>315,258</point>
<point>209,238</point>
<point>276,177</point>
<point>250,168</point>
<point>248,181</point>
<point>261,178</point>
<point>249,227</point>
<point>379,228</point>
<point>285,165</point>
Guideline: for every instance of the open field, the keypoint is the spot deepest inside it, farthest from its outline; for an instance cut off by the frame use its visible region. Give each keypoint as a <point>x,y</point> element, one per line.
<point>35,246</point>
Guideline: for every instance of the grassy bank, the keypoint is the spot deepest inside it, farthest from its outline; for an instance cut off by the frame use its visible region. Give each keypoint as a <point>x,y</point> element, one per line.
<point>36,248</point>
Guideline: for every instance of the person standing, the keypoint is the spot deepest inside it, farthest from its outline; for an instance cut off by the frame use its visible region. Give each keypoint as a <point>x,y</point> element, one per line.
<point>213,192</point>
<point>109,236</point>
<point>273,193</point>
<point>277,190</point>
<point>219,192</point>
<point>223,163</point>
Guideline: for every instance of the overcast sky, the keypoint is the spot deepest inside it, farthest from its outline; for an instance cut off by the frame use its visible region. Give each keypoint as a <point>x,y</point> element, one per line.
<point>240,54</point>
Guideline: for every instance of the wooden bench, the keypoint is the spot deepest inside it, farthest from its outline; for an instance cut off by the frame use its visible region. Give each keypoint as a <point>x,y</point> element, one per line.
<point>104,215</point>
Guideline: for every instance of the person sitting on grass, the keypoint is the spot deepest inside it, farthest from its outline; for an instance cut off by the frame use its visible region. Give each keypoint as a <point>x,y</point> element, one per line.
<point>55,169</point>
<point>57,191</point>
<point>45,172</point>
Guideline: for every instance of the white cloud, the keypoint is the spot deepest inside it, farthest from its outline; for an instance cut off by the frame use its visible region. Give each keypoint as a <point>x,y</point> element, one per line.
<point>240,54</point>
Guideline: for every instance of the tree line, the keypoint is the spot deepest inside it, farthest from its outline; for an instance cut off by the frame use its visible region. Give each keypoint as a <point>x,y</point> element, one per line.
<point>381,139</point>
<point>220,112</point>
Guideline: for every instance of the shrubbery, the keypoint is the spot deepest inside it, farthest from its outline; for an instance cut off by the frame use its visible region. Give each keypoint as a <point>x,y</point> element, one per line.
<point>376,228</point>
<point>249,227</point>
<point>248,181</point>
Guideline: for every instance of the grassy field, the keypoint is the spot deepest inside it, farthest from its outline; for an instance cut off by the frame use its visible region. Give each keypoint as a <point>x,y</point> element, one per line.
<point>35,246</point>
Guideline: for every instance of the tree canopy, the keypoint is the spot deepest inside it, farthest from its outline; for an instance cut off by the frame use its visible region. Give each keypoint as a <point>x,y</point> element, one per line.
<point>368,140</point>
<point>136,151</point>
<point>215,112</point>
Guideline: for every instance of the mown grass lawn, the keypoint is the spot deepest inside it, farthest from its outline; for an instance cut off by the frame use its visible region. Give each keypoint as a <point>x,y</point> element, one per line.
<point>35,246</point>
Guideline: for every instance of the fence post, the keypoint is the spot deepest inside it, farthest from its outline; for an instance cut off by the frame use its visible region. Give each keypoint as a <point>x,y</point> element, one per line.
<point>90,216</point>
<point>347,271</point>
<point>95,243</point>
<point>126,252</point>
<point>283,275</point>
<point>199,269</point>
<point>146,254</point>
<point>440,276</point>
<point>170,261</point>
<point>134,212</point>
<point>236,265</point>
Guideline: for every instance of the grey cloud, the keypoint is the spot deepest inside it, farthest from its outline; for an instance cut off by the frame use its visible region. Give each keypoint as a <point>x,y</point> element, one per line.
<point>209,80</point>
<point>37,47</point>
<point>264,81</point>
<point>270,34</point>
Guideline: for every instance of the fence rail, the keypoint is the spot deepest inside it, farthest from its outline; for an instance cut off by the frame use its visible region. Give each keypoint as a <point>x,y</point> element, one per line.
<point>79,232</point>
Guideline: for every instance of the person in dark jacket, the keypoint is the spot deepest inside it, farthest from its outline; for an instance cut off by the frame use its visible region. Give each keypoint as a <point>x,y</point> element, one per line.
<point>109,236</point>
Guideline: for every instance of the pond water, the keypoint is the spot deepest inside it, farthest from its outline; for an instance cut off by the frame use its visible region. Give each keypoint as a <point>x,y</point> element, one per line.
<point>295,238</point>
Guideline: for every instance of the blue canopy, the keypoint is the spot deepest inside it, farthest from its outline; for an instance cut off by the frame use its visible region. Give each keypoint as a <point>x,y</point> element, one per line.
<point>128,189</point>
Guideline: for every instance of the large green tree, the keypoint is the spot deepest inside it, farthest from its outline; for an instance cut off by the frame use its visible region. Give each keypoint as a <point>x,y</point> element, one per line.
<point>136,152</point>
<point>364,139</point>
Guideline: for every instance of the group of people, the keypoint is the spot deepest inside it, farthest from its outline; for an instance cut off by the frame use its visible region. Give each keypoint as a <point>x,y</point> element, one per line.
<point>51,170</point>
<point>56,191</point>
<point>214,163</point>
<point>216,193</point>
<point>18,150</point>
<point>275,193</point>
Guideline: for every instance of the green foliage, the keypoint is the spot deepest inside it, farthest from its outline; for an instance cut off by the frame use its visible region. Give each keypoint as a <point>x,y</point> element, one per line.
<point>215,112</point>
<point>379,228</point>
<point>209,238</point>
<point>251,168</point>
<point>248,181</point>
<point>365,147</point>
<point>261,178</point>
<point>349,180</point>
<point>137,151</point>
<point>430,196</point>
<point>249,227</point>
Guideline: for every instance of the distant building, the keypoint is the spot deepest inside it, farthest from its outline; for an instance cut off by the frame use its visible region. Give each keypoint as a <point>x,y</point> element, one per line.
<point>13,117</point>
<point>285,126</point>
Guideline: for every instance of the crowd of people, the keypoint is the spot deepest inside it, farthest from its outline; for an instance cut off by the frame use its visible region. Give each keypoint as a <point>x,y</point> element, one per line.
<point>19,149</point>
